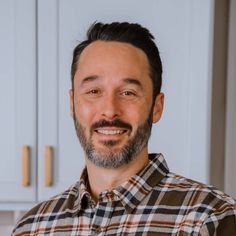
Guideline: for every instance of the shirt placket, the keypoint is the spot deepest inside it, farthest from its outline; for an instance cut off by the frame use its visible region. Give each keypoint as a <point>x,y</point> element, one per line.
<point>102,213</point>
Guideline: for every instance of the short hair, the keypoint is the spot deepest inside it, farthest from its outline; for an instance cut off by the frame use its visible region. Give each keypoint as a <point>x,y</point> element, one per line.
<point>125,32</point>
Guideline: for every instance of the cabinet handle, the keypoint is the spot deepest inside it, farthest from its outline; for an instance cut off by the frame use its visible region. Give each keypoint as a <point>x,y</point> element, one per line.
<point>48,166</point>
<point>25,165</point>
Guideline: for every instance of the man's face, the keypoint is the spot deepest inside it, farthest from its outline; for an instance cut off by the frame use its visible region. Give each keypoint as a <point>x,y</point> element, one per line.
<point>112,103</point>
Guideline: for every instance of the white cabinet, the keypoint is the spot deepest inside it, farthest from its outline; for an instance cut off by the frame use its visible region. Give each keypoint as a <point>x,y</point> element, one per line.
<point>17,98</point>
<point>184,34</point>
<point>55,126</point>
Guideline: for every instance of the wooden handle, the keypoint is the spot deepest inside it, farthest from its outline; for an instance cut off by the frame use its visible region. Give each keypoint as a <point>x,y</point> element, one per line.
<point>25,165</point>
<point>48,166</point>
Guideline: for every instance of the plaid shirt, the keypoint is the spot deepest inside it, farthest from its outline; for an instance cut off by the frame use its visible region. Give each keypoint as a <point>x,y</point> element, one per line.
<point>153,202</point>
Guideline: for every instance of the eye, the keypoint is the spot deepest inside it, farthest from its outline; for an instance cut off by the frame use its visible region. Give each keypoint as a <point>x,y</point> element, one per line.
<point>94,92</point>
<point>128,93</point>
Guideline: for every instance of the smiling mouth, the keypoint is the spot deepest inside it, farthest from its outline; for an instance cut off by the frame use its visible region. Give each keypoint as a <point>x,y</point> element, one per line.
<point>110,131</point>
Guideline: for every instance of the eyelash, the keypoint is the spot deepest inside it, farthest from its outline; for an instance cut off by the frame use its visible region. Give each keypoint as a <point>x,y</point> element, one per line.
<point>93,91</point>
<point>126,93</point>
<point>129,93</point>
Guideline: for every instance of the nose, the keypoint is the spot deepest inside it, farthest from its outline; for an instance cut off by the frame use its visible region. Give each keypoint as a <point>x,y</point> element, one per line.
<point>110,107</point>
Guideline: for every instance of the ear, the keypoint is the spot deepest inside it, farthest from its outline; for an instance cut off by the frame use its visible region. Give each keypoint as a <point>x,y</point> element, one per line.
<point>71,94</point>
<point>158,108</point>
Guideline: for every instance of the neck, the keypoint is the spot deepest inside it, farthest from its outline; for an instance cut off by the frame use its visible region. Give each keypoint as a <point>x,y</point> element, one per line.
<point>101,179</point>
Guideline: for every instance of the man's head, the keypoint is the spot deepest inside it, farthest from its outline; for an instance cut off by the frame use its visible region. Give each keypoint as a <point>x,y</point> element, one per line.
<point>115,96</point>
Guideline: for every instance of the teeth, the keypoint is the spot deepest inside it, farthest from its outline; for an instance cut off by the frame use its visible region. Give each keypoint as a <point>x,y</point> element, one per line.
<point>103,131</point>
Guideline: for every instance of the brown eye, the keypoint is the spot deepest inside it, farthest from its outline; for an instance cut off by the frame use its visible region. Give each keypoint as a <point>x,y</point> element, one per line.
<point>93,91</point>
<point>128,93</point>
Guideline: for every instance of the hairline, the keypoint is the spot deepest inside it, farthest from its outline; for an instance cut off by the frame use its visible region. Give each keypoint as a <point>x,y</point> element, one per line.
<point>87,43</point>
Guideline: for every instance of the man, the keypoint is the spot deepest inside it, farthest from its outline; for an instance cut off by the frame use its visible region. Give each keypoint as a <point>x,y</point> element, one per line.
<point>115,98</point>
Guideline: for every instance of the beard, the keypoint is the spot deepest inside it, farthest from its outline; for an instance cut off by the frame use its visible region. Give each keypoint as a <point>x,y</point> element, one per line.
<point>110,158</point>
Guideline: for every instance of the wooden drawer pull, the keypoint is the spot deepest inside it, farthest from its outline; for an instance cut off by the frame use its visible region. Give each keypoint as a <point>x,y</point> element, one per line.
<point>48,166</point>
<point>25,165</point>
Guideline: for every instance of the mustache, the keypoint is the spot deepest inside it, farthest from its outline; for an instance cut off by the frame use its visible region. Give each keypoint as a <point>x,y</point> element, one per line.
<point>114,123</point>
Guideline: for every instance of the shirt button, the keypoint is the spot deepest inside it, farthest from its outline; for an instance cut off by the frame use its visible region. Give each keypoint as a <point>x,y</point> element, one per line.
<point>110,195</point>
<point>97,229</point>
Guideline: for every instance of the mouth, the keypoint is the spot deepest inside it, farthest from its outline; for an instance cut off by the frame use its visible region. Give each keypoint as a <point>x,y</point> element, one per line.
<point>110,131</point>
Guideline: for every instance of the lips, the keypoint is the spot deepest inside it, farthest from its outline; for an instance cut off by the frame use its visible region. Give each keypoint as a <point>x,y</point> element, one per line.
<point>115,127</point>
<point>110,131</point>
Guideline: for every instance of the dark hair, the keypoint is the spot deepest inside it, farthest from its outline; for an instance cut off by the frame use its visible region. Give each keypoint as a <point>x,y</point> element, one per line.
<point>132,33</point>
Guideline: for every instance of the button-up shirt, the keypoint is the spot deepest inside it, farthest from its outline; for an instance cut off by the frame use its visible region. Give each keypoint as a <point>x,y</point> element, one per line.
<point>152,202</point>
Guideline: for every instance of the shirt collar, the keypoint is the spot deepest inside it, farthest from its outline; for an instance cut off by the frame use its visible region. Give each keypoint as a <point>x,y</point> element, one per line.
<point>133,191</point>
<point>85,199</point>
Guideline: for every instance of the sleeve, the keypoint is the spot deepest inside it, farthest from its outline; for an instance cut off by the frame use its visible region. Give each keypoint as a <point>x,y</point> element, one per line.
<point>28,221</point>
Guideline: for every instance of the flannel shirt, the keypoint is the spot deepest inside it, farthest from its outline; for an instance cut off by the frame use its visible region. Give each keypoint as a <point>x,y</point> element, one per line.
<point>152,202</point>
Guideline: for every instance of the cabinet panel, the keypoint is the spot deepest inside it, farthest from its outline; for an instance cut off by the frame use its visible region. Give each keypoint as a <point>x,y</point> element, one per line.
<point>183,32</point>
<point>17,98</point>
<point>54,121</point>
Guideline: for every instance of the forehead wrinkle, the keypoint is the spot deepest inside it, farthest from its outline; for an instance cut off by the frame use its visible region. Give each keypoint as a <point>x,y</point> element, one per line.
<point>92,78</point>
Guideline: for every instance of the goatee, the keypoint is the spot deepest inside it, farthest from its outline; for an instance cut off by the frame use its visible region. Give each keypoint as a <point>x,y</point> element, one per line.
<point>111,158</point>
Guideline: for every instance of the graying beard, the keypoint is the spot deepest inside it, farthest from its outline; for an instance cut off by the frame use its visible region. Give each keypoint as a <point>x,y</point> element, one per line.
<point>115,160</point>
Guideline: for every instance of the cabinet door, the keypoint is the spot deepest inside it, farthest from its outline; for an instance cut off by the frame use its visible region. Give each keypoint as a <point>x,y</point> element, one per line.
<point>183,32</point>
<point>17,100</point>
<point>55,124</point>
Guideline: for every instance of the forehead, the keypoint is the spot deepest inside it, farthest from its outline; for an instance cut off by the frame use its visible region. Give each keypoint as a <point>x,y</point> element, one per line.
<point>102,58</point>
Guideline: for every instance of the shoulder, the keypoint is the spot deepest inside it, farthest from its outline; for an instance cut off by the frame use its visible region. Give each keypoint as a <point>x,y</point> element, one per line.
<point>213,209</point>
<point>197,191</point>
<point>52,208</point>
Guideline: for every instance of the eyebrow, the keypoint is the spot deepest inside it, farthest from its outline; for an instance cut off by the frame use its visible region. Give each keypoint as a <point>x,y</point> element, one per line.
<point>89,79</point>
<point>126,80</point>
<point>133,81</point>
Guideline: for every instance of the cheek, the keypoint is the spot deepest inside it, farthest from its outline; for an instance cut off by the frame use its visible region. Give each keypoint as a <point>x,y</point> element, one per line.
<point>85,113</point>
<point>137,117</point>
